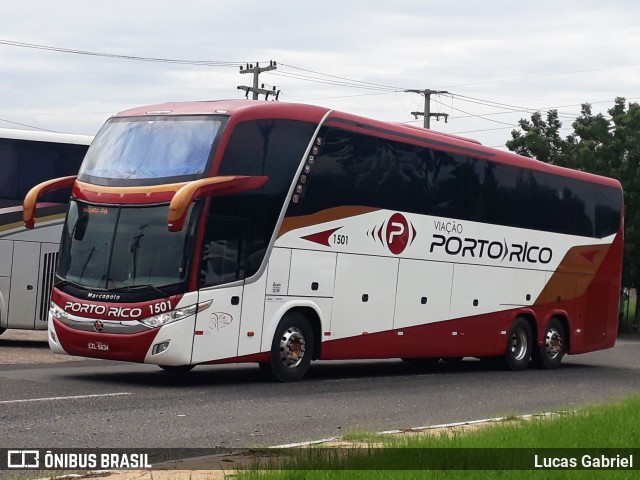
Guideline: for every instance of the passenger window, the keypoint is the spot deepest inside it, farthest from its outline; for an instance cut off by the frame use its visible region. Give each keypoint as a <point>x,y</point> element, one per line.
<point>224,250</point>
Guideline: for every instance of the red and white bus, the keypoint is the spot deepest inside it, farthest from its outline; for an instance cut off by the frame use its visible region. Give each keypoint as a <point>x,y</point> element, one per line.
<point>243,231</point>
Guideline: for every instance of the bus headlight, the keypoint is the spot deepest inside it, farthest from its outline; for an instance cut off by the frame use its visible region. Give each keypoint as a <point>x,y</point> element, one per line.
<point>170,317</point>
<point>57,312</point>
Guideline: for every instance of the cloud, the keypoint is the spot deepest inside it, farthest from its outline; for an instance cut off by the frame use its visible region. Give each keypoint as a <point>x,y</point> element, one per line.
<point>537,55</point>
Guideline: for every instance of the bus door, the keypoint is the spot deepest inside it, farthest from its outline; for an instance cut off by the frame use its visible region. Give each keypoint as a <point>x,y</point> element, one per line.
<point>6,259</point>
<point>31,281</point>
<point>222,272</point>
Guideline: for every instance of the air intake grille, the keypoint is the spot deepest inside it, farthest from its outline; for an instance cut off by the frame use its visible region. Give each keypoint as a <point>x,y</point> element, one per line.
<point>49,261</point>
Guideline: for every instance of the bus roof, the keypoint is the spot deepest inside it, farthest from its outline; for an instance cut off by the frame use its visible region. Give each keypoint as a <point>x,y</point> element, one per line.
<point>245,109</point>
<point>51,137</point>
<point>241,110</point>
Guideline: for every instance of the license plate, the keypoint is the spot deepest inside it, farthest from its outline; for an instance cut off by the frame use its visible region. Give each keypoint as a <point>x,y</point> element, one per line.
<point>103,347</point>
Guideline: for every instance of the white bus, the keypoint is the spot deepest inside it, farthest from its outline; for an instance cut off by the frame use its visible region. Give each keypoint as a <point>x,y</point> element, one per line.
<point>28,257</point>
<point>239,231</point>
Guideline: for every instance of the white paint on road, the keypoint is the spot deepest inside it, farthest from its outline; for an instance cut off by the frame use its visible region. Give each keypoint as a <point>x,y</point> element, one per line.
<point>421,429</point>
<point>73,397</point>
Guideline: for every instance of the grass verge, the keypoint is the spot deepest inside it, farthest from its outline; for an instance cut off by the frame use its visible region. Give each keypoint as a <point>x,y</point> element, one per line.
<point>502,451</point>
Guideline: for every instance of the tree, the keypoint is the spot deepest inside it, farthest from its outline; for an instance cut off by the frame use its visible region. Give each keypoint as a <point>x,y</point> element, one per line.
<point>541,139</point>
<point>599,144</point>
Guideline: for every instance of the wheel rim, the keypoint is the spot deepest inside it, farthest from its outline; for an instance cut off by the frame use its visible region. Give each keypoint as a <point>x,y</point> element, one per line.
<point>553,343</point>
<point>519,344</point>
<point>292,347</point>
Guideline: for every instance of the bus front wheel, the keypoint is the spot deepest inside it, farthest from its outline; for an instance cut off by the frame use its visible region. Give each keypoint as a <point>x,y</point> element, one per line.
<point>291,349</point>
<point>519,345</point>
<point>550,353</point>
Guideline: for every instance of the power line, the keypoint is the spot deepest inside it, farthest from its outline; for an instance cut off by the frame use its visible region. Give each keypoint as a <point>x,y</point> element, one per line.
<point>343,78</point>
<point>209,63</point>
<point>206,63</point>
<point>509,108</point>
<point>318,80</point>
<point>480,116</point>
<point>481,130</point>
<point>325,78</point>
<point>45,114</point>
<point>346,96</point>
<point>308,78</point>
<point>347,82</point>
<point>25,125</point>
<point>572,116</point>
<point>218,63</point>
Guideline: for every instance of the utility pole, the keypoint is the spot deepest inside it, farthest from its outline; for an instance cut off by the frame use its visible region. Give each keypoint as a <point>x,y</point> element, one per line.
<point>427,106</point>
<point>255,89</point>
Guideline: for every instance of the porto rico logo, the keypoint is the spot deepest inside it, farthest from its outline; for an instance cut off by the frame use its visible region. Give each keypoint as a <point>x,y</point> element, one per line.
<point>396,234</point>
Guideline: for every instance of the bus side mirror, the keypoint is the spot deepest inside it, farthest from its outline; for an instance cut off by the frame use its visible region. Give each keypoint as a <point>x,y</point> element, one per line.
<point>31,200</point>
<point>207,187</point>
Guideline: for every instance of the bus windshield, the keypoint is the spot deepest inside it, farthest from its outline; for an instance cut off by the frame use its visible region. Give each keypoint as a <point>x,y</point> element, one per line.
<point>133,150</point>
<point>110,247</point>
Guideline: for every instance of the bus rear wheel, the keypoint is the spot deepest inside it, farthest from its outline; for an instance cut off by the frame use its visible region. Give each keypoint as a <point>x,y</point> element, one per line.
<point>554,346</point>
<point>291,349</point>
<point>519,345</point>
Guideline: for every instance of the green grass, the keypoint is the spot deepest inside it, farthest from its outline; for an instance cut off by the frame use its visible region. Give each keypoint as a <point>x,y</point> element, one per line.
<point>628,308</point>
<point>615,426</point>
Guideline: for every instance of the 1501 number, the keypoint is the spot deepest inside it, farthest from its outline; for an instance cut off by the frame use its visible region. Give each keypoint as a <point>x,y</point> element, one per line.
<point>160,307</point>
<point>340,239</point>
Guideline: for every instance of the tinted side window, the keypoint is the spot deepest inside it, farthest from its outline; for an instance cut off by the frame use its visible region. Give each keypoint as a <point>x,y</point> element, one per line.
<point>501,205</point>
<point>458,187</point>
<point>26,163</point>
<point>362,170</point>
<point>267,147</point>
<point>224,250</point>
<point>343,173</point>
<point>356,169</point>
<point>406,174</point>
<point>607,212</point>
<point>273,148</point>
<point>576,202</point>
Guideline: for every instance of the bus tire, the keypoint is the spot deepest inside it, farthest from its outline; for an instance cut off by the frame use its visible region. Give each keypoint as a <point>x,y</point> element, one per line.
<point>519,345</point>
<point>291,349</point>
<point>177,368</point>
<point>554,346</point>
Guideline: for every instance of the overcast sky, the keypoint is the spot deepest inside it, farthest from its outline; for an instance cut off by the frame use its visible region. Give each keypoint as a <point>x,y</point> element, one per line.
<point>491,56</point>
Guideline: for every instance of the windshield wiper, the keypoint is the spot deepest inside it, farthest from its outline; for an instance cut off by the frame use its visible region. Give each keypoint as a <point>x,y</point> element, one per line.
<point>64,283</point>
<point>134,288</point>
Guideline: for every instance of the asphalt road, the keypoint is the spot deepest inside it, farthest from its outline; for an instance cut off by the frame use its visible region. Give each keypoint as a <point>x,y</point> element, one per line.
<point>50,401</point>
